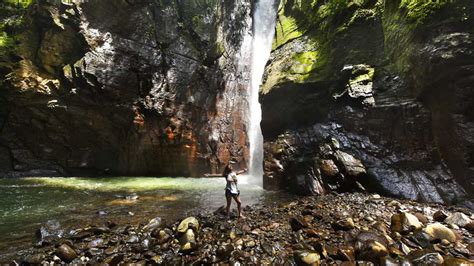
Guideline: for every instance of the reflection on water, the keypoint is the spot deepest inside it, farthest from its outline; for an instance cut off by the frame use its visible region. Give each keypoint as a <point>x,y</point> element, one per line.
<point>27,203</point>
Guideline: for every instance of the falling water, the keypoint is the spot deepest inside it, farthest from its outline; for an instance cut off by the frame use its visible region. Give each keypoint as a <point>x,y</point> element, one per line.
<point>263,32</point>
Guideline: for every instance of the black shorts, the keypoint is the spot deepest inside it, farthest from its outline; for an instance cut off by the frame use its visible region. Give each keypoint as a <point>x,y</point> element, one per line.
<point>230,194</point>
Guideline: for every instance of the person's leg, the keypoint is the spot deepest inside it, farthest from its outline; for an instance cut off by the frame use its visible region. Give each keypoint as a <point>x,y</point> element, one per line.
<point>239,205</point>
<point>229,201</point>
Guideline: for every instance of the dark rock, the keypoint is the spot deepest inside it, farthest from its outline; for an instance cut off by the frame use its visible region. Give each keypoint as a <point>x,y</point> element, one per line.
<point>404,223</point>
<point>425,257</point>
<point>298,223</point>
<point>328,167</point>
<point>350,164</point>
<point>224,251</point>
<point>440,216</point>
<point>344,224</point>
<point>66,253</point>
<point>470,227</point>
<point>35,258</point>
<point>114,259</point>
<point>370,250</point>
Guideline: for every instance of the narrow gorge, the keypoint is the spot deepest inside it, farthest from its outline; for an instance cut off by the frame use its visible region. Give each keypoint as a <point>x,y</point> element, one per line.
<point>349,116</point>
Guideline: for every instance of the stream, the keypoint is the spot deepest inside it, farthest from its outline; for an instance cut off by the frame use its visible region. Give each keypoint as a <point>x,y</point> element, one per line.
<point>27,203</point>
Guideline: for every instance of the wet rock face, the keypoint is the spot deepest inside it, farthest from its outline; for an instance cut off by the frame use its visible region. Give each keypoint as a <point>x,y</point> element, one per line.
<point>128,87</point>
<point>391,86</point>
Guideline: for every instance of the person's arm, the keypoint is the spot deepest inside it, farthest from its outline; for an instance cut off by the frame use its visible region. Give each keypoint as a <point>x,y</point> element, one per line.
<point>242,171</point>
<point>213,175</point>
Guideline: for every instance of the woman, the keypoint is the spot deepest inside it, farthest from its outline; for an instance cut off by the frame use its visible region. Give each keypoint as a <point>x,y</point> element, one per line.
<point>231,189</point>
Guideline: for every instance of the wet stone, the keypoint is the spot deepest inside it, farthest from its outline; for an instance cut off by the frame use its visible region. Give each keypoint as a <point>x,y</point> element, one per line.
<point>298,223</point>
<point>65,253</point>
<point>189,222</point>
<point>440,216</point>
<point>306,258</point>
<point>439,232</point>
<point>425,257</point>
<point>344,224</point>
<point>404,223</point>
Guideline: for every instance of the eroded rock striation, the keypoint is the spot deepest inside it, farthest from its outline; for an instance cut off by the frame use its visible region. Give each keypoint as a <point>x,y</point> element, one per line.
<point>391,81</point>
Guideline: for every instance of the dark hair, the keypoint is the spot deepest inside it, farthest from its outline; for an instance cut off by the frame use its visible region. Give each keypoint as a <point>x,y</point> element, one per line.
<point>227,170</point>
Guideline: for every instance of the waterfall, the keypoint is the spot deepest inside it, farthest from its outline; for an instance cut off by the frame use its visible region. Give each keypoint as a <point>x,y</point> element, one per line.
<point>264,18</point>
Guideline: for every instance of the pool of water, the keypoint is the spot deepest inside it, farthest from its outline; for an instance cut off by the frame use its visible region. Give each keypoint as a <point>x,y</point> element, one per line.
<point>27,203</point>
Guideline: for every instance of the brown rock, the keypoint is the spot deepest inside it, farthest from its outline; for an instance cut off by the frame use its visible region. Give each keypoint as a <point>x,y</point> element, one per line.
<point>371,250</point>
<point>66,253</point>
<point>298,223</point>
<point>344,224</point>
<point>440,216</point>
<point>405,223</point>
<point>421,217</point>
<point>328,167</point>
<point>351,165</point>
<point>470,227</point>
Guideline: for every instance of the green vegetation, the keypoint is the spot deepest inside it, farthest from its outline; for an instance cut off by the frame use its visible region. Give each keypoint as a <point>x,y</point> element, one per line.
<point>304,63</point>
<point>286,30</point>
<point>11,19</point>
<point>419,10</point>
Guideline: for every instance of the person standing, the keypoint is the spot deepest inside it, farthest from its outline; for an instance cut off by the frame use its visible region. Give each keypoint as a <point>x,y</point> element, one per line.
<point>231,189</point>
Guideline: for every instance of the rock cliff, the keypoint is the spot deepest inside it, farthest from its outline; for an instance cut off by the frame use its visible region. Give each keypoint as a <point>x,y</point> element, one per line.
<point>129,87</point>
<point>389,81</point>
<point>365,94</point>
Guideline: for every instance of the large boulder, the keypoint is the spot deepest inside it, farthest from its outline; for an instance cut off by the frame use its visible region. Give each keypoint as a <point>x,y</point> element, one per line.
<point>404,223</point>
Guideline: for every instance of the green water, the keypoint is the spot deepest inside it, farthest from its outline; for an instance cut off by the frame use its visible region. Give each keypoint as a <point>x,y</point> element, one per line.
<point>27,203</point>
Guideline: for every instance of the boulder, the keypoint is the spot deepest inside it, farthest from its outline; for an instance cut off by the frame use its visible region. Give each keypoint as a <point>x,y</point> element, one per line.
<point>459,219</point>
<point>189,222</point>
<point>350,164</point>
<point>439,232</point>
<point>404,223</point>
<point>328,167</point>
<point>298,222</point>
<point>224,251</point>
<point>153,224</point>
<point>370,250</point>
<point>344,224</point>
<point>421,217</point>
<point>306,258</point>
<point>425,257</point>
<point>470,227</point>
<point>440,216</point>
<point>66,253</point>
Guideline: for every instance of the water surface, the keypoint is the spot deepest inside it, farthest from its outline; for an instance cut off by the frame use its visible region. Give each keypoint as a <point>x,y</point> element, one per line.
<point>27,203</point>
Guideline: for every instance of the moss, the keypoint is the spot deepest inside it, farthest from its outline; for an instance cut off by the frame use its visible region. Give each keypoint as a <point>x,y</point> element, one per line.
<point>304,62</point>
<point>419,10</point>
<point>286,30</point>
<point>11,20</point>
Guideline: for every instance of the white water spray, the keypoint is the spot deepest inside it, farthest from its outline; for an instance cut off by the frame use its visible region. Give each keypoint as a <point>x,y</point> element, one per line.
<point>264,18</point>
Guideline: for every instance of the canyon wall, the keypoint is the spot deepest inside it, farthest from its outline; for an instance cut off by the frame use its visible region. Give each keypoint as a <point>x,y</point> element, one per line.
<point>372,95</point>
<point>124,87</point>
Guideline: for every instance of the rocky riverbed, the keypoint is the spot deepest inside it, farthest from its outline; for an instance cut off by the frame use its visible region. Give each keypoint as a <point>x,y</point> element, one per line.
<point>342,229</point>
